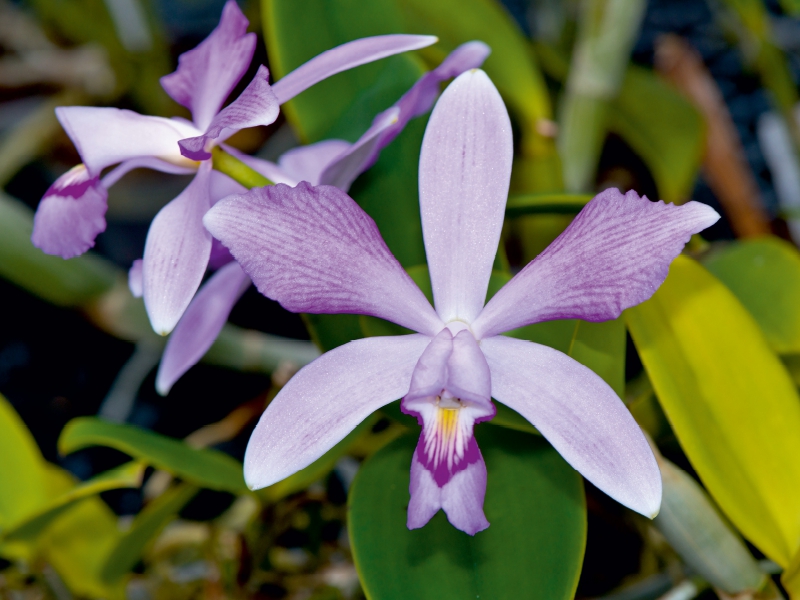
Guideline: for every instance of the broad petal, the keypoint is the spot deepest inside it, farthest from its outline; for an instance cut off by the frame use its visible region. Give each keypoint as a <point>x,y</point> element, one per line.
<point>71,214</point>
<point>615,254</point>
<point>580,416</point>
<point>461,498</point>
<point>464,172</point>
<point>200,324</point>
<point>106,136</point>
<point>360,156</point>
<point>344,57</point>
<point>306,163</point>
<point>146,162</point>
<point>313,249</point>
<point>176,254</point>
<point>256,105</point>
<point>136,279</point>
<point>325,401</point>
<point>207,74</point>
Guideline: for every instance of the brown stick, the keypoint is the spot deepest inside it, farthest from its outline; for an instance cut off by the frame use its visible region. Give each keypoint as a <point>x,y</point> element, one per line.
<point>725,166</point>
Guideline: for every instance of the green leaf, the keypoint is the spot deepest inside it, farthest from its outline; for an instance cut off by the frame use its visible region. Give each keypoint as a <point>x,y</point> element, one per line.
<point>764,274</point>
<point>204,467</point>
<point>534,204</point>
<point>128,475</point>
<point>534,502</point>
<point>601,347</point>
<point>730,401</point>
<point>673,144</point>
<point>22,469</point>
<point>128,550</point>
<point>298,30</point>
<point>63,282</point>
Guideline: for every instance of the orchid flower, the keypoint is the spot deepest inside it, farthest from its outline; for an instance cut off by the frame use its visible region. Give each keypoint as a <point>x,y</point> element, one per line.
<point>177,250</point>
<point>330,162</point>
<point>314,250</point>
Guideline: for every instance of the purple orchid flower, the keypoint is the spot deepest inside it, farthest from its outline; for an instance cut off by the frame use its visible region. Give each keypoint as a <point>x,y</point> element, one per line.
<point>177,250</point>
<point>314,250</point>
<point>331,162</point>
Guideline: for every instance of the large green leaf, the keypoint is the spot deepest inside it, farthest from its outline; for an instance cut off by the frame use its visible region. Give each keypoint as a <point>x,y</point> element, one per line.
<point>672,145</point>
<point>22,469</point>
<point>202,466</point>
<point>764,274</point>
<point>534,502</point>
<point>298,30</point>
<point>130,546</point>
<point>730,402</point>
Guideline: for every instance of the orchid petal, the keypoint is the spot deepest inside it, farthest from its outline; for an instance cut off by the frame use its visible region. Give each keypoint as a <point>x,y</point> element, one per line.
<point>106,136</point>
<point>71,214</point>
<point>464,172</point>
<point>221,186</point>
<point>176,254</point>
<point>430,374</point>
<point>220,255</point>
<point>468,374</point>
<point>313,249</point>
<point>615,254</point>
<point>136,279</point>
<point>325,400</point>
<point>580,415</point>
<point>306,163</point>
<point>461,498</point>
<point>207,74</point>
<point>361,155</point>
<point>275,173</point>
<point>145,162</point>
<point>344,57</point>
<point>256,105</point>
<point>200,324</point>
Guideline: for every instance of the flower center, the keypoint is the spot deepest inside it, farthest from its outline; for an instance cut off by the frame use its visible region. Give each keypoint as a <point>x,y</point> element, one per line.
<point>446,434</point>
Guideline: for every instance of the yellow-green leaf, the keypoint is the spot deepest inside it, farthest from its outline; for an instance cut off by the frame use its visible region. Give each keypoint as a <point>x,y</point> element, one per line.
<point>730,401</point>
<point>764,274</point>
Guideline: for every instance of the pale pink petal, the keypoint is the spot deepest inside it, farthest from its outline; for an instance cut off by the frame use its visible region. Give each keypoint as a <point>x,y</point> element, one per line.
<point>313,249</point>
<point>207,74</point>
<point>306,163</point>
<point>176,254</point>
<point>200,324</point>
<point>461,498</point>
<point>106,136</point>
<point>256,105</point>
<point>464,172</point>
<point>580,415</point>
<point>71,214</point>
<point>344,57</point>
<point>615,254</point>
<point>325,401</point>
<point>135,280</point>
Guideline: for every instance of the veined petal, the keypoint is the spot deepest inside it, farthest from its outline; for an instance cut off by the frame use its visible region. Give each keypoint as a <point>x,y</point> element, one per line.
<point>176,254</point>
<point>580,415</point>
<point>135,279</point>
<point>461,498</point>
<point>313,249</point>
<point>106,136</point>
<point>306,163</point>
<point>256,105</point>
<point>360,156</point>
<point>71,214</point>
<point>200,324</point>
<point>614,254</point>
<point>464,172</point>
<point>207,74</point>
<point>344,57</point>
<point>325,401</point>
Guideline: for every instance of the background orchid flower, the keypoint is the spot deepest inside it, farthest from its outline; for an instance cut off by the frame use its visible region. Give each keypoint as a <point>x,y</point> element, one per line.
<point>315,250</point>
<point>331,162</point>
<point>177,249</point>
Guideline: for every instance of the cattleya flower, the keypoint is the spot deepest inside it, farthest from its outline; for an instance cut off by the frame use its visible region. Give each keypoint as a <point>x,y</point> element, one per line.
<point>330,162</point>
<point>314,250</point>
<point>177,250</point>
